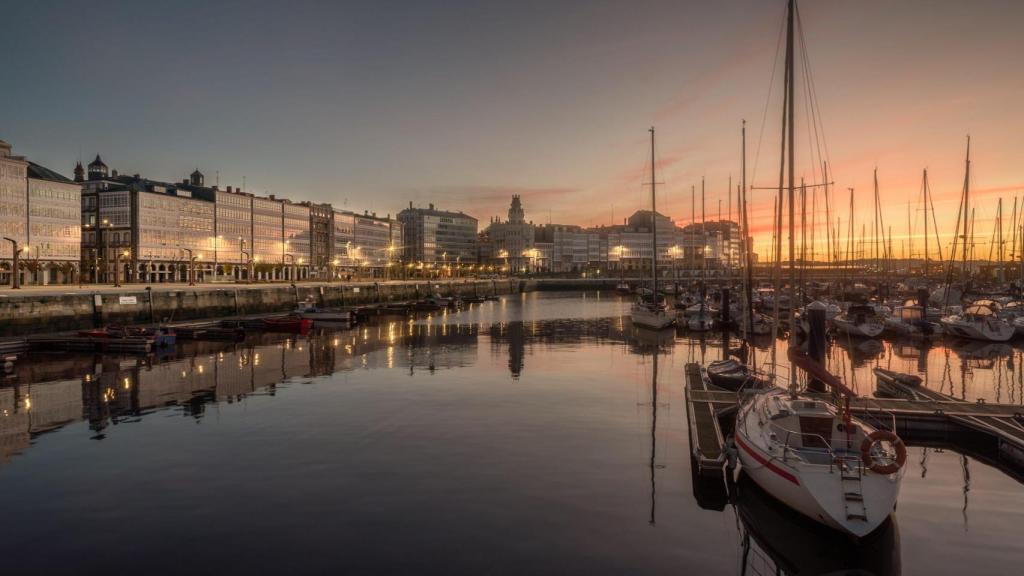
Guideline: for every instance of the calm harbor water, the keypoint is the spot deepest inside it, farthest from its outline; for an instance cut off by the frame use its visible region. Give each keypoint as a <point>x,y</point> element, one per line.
<point>528,435</point>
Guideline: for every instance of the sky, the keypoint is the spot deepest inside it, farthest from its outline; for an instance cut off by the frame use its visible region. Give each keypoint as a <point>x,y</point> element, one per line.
<point>371,105</point>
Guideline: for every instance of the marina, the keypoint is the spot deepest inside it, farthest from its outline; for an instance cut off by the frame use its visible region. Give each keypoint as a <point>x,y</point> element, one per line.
<point>556,391</point>
<point>513,288</point>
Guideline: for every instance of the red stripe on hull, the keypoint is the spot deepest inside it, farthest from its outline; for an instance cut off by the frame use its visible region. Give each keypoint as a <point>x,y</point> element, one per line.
<point>766,463</point>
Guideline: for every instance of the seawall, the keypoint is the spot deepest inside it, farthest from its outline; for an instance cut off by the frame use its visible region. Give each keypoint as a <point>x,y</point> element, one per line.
<point>31,313</point>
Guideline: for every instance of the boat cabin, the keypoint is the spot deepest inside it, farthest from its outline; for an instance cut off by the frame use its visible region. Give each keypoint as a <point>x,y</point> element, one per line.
<point>812,430</point>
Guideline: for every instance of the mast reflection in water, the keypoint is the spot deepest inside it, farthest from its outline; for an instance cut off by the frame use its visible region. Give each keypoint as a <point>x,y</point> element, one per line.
<point>538,434</point>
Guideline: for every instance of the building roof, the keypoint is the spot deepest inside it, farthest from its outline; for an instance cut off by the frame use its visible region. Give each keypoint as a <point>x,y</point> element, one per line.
<point>43,173</point>
<point>97,162</point>
<point>435,212</point>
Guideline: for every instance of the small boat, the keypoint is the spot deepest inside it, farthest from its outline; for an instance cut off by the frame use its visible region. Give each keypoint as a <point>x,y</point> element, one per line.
<point>978,322</point>
<point>892,384</point>
<point>910,320</point>
<point>817,458</point>
<point>732,375</point>
<point>762,324</point>
<point>288,324</point>
<point>623,288</point>
<point>323,315</point>
<point>701,321</point>
<point>860,320</point>
<point>651,312</point>
<point>163,336</point>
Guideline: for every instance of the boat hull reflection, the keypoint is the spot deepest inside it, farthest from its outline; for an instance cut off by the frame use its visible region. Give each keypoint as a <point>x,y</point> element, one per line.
<point>796,545</point>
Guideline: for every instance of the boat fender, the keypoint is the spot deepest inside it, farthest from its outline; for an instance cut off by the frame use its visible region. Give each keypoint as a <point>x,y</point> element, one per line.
<point>879,436</point>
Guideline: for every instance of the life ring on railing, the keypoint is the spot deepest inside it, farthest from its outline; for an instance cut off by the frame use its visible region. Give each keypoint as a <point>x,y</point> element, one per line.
<point>880,436</point>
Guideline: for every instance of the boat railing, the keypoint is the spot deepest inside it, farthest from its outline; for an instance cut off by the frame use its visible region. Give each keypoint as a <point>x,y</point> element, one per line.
<point>802,451</point>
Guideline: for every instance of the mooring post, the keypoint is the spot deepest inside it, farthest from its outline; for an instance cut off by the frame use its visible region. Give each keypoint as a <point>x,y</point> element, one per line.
<point>725,309</point>
<point>922,300</point>
<point>816,340</point>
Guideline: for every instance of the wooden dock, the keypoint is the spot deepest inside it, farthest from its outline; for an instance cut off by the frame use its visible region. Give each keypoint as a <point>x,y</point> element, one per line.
<point>932,419</point>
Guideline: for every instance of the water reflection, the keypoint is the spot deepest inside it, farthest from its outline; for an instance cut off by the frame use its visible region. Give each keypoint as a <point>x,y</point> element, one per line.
<point>542,432</point>
<point>777,540</point>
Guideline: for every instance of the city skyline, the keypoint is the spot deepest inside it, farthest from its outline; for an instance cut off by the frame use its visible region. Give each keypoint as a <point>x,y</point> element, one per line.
<point>374,107</point>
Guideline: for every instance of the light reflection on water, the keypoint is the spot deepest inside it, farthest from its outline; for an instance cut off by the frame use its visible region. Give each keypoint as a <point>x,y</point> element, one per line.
<point>519,436</point>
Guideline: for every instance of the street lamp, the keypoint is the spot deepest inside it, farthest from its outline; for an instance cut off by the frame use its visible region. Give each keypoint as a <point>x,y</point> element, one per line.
<point>15,253</point>
<point>285,258</point>
<point>106,237</point>
<point>245,256</point>
<point>117,266</point>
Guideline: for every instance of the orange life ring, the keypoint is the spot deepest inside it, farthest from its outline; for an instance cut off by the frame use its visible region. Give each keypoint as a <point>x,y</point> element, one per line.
<point>878,436</point>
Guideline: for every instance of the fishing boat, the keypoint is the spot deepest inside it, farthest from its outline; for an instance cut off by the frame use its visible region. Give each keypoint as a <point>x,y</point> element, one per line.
<point>860,320</point>
<point>651,311</point>
<point>819,459</point>
<point>978,322</point>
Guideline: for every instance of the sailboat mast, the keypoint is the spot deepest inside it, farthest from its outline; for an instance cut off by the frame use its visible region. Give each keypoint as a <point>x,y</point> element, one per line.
<point>926,223</point>
<point>654,229</point>
<point>790,101</point>
<point>966,216</point>
<point>748,289</point>
<point>999,233</point>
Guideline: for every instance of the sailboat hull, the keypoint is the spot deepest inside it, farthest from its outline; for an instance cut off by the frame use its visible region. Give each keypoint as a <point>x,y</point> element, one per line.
<point>819,490</point>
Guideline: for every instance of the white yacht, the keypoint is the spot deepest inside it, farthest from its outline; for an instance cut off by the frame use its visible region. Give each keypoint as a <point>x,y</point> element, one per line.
<point>859,320</point>
<point>978,322</point>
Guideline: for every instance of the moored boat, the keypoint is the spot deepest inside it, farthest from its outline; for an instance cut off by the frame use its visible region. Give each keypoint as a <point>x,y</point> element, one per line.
<point>818,459</point>
<point>978,322</point>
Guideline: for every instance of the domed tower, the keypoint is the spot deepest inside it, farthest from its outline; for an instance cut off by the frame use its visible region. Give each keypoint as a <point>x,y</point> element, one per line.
<point>196,178</point>
<point>97,169</point>
<point>515,212</point>
<point>79,172</point>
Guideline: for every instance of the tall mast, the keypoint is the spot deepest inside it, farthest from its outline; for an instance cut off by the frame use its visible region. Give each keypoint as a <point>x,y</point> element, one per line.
<point>966,215</point>
<point>746,233</point>
<point>790,99</point>
<point>999,233</point>
<point>654,229</point>
<point>926,223</point>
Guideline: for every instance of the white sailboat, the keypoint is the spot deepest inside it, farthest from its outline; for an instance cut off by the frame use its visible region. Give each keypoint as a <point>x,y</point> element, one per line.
<point>805,451</point>
<point>819,460</point>
<point>651,310</point>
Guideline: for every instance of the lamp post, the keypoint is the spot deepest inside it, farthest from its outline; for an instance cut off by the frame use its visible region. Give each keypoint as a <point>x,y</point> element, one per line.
<point>216,245</point>
<point>117,266</point>
<point>15,253</point>
<point>106,236</point>
<point>245,256</point>
<point>191,265</point>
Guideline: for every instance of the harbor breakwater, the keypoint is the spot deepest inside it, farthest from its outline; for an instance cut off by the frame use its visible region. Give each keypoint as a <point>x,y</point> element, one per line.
<point>34,313</point>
